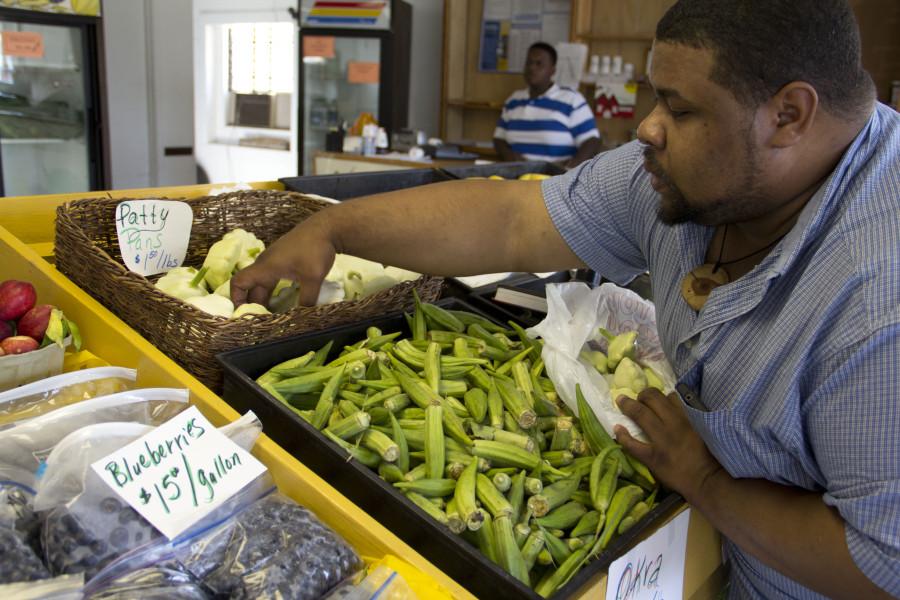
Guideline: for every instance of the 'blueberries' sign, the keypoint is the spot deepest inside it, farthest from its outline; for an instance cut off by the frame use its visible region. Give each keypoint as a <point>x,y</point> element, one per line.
<point>179,472</point>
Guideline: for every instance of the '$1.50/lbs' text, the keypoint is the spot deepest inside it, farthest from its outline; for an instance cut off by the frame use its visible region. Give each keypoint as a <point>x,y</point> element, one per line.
<point>202,482</point>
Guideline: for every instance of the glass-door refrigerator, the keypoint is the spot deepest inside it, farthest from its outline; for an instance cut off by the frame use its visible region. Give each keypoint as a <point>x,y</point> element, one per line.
<point>354,59</point>
<point>51,127</point>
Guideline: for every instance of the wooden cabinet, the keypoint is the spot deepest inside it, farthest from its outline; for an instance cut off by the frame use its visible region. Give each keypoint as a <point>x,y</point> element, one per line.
<point>471,100</point>
<point>625,29</point>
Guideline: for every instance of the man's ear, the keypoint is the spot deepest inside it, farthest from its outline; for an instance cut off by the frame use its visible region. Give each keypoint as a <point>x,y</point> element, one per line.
<point>792,112</point>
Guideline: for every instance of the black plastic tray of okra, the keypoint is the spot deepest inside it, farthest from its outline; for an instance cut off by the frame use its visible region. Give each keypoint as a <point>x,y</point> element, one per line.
<point>456,557</point>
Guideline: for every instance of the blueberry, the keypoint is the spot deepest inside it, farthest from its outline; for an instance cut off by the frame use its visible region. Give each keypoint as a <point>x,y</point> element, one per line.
<point>119,537</point>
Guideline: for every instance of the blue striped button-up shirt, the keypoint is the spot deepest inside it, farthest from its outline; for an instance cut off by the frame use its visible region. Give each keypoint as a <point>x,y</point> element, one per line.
<point>792,372</point>
<point>550,127</point>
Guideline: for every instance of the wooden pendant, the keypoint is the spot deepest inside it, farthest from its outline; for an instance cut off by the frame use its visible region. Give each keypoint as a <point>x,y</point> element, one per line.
<point>700,282</point>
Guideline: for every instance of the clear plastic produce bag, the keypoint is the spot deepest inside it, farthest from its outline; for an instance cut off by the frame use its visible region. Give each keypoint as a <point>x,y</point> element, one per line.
<point>259,544</point>
<point>575,313</point>
<point>273,548</point>
<point>65,587</point>
<point>381,583</point>
<point>87,526</point>
<point>167,581</point>
<point>43,396</point>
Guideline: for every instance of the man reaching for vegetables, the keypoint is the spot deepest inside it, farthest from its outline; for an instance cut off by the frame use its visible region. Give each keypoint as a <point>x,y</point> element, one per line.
<point>762,197</point>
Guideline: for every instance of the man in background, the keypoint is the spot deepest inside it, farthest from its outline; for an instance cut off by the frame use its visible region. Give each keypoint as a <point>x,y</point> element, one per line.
<point>546,122</point>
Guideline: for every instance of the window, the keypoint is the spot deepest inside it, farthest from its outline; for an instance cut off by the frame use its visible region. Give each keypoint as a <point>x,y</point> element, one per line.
<point>260,58</point>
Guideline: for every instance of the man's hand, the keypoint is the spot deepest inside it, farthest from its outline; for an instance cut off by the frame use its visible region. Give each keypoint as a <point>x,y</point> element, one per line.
<point>302,255</point>
<point>675,453</point>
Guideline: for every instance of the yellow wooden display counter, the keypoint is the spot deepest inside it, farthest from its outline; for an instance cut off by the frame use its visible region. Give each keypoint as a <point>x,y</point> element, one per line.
<point>26,252</point>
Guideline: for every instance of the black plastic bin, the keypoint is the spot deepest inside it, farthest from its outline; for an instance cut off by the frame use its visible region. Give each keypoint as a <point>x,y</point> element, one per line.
<point>454,556</point>
<point>506,170</point>
<point>353,185</point>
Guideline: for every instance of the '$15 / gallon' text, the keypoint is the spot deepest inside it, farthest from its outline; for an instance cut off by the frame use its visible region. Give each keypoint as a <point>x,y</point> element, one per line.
<point>182,481</point>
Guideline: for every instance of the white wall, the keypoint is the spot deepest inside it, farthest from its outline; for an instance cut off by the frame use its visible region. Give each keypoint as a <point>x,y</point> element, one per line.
<point>149,73</point>
<point>150,69</point>
<point>227,162</point>
<point>126,95</point>
<point>426,65</point>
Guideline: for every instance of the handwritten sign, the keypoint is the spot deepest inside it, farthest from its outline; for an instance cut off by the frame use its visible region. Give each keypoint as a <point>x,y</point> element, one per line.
<point>24,44</point>
<point>319,45</point>
<point>179,472</point>
<point>363,72</point>
<point>654,569</point>
<point>153,234</point>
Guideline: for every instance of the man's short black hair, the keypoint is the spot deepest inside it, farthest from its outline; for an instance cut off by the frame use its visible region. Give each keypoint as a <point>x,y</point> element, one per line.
<point>546,48</point>
<point>762,45</point>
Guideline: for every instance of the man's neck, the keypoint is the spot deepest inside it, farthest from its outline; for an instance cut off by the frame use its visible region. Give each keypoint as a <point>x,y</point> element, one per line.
<point>534,92</point>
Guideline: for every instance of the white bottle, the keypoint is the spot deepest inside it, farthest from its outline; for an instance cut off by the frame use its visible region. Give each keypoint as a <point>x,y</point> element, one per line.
<point>590,77</point>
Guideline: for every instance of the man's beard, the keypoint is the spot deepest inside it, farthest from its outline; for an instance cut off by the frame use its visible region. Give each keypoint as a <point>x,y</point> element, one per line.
<point>735,206</point>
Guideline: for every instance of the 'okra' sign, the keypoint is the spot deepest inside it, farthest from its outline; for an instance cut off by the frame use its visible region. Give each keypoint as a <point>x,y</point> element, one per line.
<point>153,234</point>
<point>179,472</point>
<point>654,569</point>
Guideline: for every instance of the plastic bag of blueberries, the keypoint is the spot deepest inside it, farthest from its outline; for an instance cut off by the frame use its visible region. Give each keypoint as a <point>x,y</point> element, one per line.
<point>86,526</point>
<point>261,546</point>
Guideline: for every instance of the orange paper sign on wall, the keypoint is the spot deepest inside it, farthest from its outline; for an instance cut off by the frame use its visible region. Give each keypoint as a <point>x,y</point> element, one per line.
<point>319,45</point>
<point>24,44</point>
<point>362,72</point>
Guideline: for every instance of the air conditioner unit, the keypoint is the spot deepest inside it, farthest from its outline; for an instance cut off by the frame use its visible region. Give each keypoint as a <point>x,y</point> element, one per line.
<point>271,111</point>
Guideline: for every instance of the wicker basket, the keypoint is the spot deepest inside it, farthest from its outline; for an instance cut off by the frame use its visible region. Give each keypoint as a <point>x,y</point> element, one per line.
<point>87,251</point>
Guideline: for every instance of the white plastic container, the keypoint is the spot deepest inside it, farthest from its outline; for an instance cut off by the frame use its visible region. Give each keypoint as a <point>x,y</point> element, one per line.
<point>19,369</point>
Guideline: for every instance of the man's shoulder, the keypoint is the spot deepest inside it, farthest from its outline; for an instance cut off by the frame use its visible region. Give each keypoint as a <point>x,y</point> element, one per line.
<point>569,96</point>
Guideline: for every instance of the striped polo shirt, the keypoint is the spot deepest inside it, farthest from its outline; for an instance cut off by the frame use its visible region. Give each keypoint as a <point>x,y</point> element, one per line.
<point>550,127</point>
<point>790,373</point>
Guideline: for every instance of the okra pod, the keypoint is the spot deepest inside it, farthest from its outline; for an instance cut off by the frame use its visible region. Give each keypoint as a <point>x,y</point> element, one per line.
<point>487,543</point>
<point>467,318</point>
<point>363,455</point>
<point>490,498</point>
<point>454,521</point>
<point>306,383</point>
<point>326,399</point>
<point>390,472</point>
<point>558,458</point>
<point>552,496</point>
<point>290,367</point>
<point>434,442</point>
<point>562,517</point>
<point>397,403</point>
<point>419,326</point>
<point>494,405</point>
<point>402,448</point>
<point>433,367</point>
<point>622,502</point>
<point>596,435</point>
<point>516,495</point>
<point>380,397</point>
<point>416,473</point>
<point>636,513</point>
<point>564,573</point>
<point>521,531</point>
<point>562,434</point>
<point>557,548</point>
<point>532,547</point>
<point>350,426</point>
<point>477,331</point>
<point>464,495</point>
<point>502,482</point>
<point>439,318</point>
<point>382,444</point>
<point>430,488</point>
<point>516,404</point>
<point>476,403</point>
<point>510,557</point>
<point>505,455</point>
<point>603,486</point>
<point>588,524</point>
<point>453,425</point>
